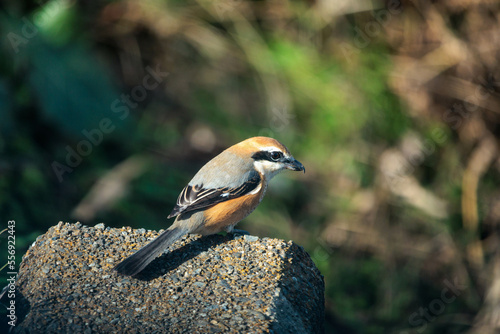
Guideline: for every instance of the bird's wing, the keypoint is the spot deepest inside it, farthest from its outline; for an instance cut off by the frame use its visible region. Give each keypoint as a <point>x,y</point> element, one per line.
<point>195,197</point>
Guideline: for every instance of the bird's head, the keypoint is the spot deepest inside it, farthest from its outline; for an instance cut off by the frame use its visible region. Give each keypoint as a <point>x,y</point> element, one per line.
<point>269,156</point>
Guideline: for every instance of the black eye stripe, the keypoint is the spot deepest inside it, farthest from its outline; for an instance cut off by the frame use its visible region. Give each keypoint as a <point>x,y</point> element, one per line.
<point>269,156</point>
<point>260,156</point>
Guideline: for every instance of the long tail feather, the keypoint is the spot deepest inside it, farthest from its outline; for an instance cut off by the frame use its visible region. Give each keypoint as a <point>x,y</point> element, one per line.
<point>136,262</point>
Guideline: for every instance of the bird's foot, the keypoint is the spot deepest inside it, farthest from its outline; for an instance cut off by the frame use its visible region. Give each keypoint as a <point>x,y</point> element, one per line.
<point>239,232</point>
<point>234,231</point>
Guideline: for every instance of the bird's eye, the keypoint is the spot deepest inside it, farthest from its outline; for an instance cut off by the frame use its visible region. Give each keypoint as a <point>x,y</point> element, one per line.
<point>276,155</point>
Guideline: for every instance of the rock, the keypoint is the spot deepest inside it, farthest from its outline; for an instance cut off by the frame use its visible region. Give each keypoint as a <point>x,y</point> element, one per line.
<point>211,284</point>
<point>250,238</point>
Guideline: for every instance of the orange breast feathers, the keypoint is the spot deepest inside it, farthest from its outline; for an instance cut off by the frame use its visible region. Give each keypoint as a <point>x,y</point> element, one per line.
<point>228,213</point>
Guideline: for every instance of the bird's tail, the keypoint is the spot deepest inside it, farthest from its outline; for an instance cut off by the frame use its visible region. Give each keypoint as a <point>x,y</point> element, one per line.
<point>136,262</point>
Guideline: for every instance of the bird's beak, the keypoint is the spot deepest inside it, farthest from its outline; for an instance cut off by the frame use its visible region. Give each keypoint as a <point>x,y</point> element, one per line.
<point>295,165</point>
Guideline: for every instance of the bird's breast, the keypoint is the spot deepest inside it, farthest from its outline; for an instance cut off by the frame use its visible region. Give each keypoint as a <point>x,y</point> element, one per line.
<point>230,212</point>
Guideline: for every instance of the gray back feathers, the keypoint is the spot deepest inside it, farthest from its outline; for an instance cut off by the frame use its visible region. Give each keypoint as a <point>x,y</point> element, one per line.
<point>225,170</point>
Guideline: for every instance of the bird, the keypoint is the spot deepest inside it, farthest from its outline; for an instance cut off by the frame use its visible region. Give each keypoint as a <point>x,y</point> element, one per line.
<point>222,193</point>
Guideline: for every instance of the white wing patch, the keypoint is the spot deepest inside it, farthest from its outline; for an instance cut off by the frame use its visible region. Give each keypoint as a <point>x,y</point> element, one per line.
<point>256,190</point>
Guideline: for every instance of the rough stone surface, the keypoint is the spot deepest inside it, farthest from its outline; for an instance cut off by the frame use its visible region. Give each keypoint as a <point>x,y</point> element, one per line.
<point>203,285</point>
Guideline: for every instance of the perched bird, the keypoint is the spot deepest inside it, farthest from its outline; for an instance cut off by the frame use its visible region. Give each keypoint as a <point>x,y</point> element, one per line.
<point>223,192</point>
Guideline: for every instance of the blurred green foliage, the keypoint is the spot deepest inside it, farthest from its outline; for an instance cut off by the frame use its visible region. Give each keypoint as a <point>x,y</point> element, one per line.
<point>381,207</point>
